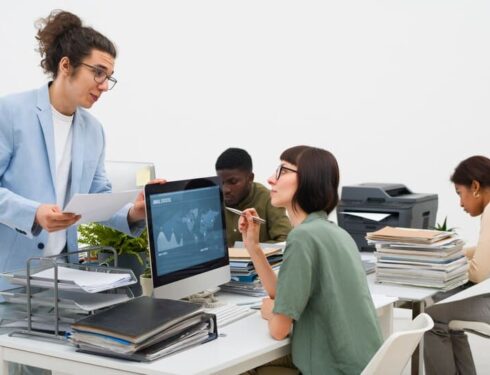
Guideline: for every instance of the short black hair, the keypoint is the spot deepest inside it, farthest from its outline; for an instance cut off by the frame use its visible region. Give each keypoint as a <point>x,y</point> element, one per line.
<point>475,168</point>
<point>234,158</point>
<point>318,178</point>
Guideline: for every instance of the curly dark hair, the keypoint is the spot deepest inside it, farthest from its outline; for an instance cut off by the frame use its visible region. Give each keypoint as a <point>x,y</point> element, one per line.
<point>62,34</point>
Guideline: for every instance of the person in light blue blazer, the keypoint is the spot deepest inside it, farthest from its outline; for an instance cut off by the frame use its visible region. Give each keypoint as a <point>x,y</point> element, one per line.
<point>51,147</point>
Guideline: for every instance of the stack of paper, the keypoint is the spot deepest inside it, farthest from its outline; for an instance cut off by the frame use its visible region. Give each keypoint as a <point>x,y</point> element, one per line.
<point>79,301</point>
<point>419,257</point>
<point>89,281</point>
<point>144,329</point>
<point>408,235</point>
<point>244,277</point>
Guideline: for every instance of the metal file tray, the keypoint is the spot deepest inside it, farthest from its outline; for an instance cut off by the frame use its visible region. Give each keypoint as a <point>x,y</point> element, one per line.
<point>20,277</point>
<point>77,301</point>
<point>52,302</point>
<point>42,317</point>
<point>40,324</point>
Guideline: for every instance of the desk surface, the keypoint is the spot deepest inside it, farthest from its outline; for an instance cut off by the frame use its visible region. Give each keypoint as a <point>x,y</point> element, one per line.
<point>414,294</point>
<point>242,345</point>
<point>402,292</point>
<point>246,341</point>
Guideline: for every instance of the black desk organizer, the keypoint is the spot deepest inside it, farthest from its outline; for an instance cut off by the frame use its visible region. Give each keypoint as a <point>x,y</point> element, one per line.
<point>25,278</point>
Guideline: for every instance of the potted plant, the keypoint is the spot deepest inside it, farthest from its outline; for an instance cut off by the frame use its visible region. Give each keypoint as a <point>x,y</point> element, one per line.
<point>146,281</point>
<point>444,227</point>
<point>132,251</point>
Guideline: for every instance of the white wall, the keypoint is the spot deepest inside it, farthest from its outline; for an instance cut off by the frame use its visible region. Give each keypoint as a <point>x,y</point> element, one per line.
<point>399,91</point>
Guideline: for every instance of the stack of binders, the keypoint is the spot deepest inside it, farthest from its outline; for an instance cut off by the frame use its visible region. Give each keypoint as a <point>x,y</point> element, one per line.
<point>419,257</point>
<point>243,275</point>
<point>144,329</point>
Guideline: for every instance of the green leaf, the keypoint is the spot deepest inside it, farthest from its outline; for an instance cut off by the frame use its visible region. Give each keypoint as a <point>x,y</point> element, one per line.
<point>95,234</point>
<point>443,227</point>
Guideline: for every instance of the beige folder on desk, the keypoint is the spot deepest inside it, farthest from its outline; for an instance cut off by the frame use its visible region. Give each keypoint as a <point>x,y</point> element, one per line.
<point>235,252</point>
<point>409,235</point>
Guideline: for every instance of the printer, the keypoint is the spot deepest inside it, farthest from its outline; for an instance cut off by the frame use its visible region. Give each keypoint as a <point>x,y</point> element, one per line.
<point>371,206</point>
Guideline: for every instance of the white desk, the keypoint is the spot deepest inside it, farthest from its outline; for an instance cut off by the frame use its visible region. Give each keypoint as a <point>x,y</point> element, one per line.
<point>246,344</point>
<point>416,296</point>
<point>413,294</point>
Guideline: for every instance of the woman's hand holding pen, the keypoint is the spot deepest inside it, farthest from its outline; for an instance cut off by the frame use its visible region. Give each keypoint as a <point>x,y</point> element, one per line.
<point>249,229</point>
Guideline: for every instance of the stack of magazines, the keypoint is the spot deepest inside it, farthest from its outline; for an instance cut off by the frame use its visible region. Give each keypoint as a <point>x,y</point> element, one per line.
<point>419,257</point>
<point>144,329</point>
<point>244,278</point>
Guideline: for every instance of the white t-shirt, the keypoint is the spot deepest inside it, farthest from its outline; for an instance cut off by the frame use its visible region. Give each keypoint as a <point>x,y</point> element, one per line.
<point>63,140</point>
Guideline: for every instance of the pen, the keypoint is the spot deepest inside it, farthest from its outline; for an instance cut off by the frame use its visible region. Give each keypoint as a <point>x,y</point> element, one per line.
<point>241,213</point>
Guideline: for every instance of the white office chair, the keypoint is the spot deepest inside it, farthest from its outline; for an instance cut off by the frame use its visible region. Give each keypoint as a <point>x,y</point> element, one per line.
<point>392,357</point>
<point>479,328</point>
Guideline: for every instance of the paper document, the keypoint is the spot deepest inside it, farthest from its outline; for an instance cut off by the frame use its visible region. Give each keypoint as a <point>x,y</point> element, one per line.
<point>99,207</point>
<point>234,252</point>
<point>374,216</point>
<point>91,282</point>
<point>143,176</point>
<point>263,245</point>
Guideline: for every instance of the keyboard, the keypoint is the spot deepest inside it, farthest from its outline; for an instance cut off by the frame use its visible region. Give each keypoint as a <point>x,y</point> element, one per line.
<point>230,313</point>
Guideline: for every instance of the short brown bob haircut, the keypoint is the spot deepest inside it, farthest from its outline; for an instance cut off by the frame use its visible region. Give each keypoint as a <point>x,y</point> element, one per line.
<point>318,178</point>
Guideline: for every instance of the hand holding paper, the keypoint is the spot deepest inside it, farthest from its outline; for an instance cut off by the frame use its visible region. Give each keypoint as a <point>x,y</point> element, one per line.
<point>51,219</point>
<point>98,207</point>
<point>138,211</point>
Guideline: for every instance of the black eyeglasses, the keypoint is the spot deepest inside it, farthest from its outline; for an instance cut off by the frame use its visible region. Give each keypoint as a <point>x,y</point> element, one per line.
<point>281,170</point>
<point>100,76</point>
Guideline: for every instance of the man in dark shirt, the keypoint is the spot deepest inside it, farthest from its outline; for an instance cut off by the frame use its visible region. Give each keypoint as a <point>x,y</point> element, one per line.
<point>234,166</point>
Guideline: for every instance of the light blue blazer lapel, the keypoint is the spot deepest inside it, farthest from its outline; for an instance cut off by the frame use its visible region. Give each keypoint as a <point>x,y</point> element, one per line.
<point>45,117</point>
<point>78,131</point>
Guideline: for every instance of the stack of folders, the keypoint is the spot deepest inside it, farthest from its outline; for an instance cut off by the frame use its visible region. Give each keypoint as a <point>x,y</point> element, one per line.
<point>144,329</point>
<point>243,275</point>
<point>420,257</point>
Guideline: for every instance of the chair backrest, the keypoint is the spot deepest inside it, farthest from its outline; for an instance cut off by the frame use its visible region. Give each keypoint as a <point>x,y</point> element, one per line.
<point>392,357</point>
<point>128,175</point>
<point>479,328</point>
<point>476,290</point>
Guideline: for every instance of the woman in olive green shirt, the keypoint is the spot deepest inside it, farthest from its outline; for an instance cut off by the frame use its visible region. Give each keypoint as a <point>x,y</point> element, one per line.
<point>321,289</point>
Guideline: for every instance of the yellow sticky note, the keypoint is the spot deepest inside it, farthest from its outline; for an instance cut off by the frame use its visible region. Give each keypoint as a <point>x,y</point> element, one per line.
<point>143,176</point>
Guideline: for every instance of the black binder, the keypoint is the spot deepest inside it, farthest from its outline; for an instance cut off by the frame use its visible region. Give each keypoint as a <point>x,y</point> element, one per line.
<point>144,329</point>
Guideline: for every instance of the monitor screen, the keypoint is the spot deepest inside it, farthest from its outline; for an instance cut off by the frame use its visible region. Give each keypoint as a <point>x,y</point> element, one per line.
<point>187,236</point>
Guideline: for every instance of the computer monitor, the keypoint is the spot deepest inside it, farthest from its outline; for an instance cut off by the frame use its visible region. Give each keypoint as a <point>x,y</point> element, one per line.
<point>187,236</point>
<point>129,175</point>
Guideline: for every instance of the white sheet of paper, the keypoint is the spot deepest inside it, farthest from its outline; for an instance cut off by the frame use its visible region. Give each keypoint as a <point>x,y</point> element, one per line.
<point>99,207</point>
<point>374,216</point>
<point>91,282</point>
